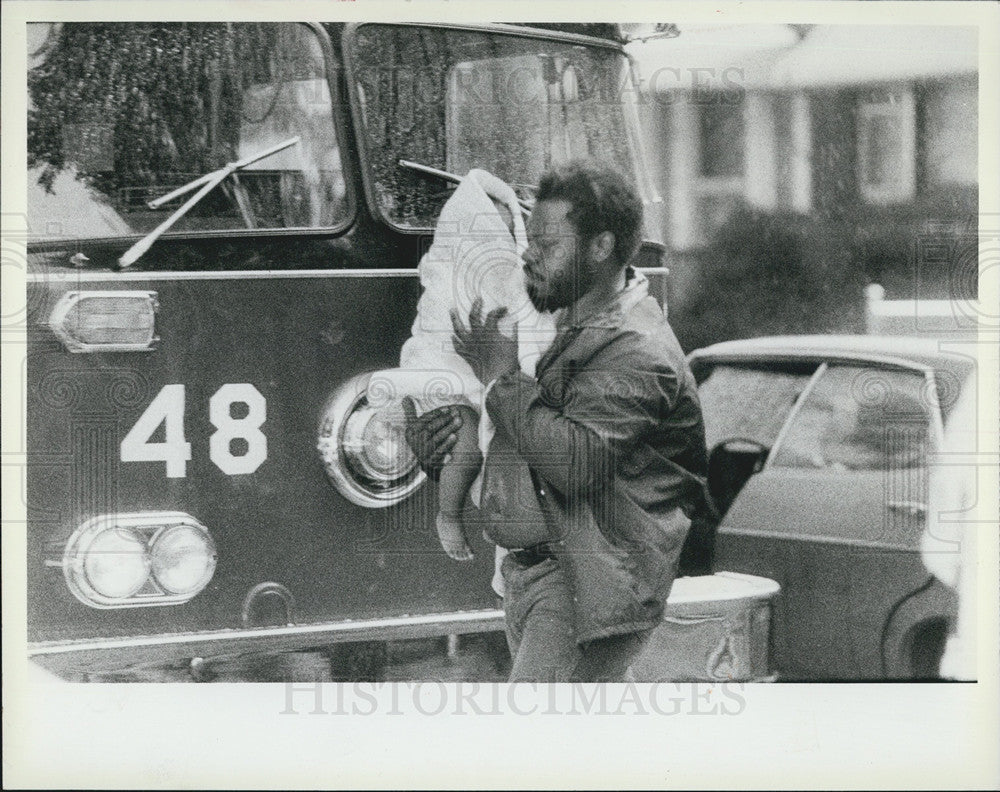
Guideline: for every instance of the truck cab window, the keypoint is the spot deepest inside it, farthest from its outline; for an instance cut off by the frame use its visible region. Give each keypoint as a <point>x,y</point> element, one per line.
<point>153,107</point>
<point>459,99</point>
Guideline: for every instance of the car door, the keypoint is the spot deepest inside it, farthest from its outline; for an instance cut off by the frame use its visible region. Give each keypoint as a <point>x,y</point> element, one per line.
<point>835,516</point>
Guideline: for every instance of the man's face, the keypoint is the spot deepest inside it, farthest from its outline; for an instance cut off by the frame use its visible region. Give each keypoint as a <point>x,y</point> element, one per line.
<point>556,268</point>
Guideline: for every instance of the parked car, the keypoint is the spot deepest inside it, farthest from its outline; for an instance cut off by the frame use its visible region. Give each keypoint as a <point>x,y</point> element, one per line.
<point>818,466</point>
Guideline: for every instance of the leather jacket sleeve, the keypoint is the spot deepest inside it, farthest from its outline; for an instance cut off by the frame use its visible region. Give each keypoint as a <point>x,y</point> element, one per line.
<point>573,425</point>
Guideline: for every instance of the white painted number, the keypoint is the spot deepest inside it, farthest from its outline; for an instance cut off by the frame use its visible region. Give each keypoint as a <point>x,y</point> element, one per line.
<point>168,409</point>
<point>246,428</point>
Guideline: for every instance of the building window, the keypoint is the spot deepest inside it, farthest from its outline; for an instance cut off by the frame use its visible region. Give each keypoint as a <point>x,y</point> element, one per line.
<point>887,146</point>
<point>720,161</point>
<point>721,132</point>
<point>950,132</point>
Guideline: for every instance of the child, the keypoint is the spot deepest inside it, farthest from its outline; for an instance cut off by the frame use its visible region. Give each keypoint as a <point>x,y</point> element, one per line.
<point>476,253</point>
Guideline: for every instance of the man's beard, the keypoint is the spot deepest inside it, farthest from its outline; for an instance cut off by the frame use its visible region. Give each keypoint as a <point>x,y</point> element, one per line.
<point>544,303</point>
<point>562,292</point>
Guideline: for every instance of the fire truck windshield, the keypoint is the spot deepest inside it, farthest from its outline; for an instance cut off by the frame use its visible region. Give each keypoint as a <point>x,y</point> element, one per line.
<point>121,114</point>
<point>455,99</point>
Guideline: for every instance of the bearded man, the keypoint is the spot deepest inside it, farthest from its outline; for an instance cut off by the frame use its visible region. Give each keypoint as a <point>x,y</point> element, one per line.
<point>610,432</point>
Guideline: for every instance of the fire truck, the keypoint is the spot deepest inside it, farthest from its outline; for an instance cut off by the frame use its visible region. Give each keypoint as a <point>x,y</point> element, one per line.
<point>225,222</point>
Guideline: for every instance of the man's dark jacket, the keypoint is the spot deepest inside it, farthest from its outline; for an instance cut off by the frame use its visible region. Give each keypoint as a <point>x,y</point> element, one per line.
<point>612,433</point>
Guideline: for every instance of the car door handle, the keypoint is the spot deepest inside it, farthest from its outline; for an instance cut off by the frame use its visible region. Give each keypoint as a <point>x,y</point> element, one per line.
<point>914,508</point>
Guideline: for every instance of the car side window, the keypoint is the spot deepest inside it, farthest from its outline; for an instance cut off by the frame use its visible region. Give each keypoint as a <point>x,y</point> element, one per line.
<point>749,402</point>
<point>859,418</point>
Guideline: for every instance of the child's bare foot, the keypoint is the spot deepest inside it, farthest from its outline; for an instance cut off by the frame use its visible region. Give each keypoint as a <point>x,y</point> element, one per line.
<point>452,537</point>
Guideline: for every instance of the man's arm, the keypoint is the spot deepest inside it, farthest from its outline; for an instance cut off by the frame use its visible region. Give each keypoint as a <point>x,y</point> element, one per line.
<point>620,396</point>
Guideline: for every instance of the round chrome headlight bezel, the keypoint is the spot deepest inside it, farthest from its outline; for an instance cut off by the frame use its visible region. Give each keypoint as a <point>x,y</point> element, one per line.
<point>363,474</point>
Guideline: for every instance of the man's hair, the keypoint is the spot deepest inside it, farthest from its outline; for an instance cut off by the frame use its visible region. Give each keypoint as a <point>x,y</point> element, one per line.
<point>602,199</point>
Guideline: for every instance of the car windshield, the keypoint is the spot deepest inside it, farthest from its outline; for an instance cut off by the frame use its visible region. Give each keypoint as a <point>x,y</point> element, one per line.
<point>456,99</point>
<point>122,114</point>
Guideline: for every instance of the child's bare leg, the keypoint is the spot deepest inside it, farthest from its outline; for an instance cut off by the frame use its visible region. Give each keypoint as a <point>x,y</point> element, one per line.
<point>456,478</point>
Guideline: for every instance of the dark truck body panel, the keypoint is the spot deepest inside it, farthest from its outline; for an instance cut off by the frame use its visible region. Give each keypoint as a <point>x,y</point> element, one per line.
<point>294,314</point>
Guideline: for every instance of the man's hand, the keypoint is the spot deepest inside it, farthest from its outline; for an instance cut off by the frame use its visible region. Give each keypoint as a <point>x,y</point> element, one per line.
<point>431,436</point>
<point>488,351</point>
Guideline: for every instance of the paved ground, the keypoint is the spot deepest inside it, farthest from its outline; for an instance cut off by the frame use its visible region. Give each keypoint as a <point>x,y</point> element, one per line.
<point>481,657</point>
<point>474,658</point>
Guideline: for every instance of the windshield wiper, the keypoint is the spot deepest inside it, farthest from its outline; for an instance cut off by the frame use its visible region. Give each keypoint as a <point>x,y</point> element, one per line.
<point>208,182</point>
<point>526,206</point>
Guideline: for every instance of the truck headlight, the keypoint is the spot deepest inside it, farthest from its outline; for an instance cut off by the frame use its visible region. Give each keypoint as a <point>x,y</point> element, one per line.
<point>137,560</point>
<point>363,448</point>
<point>182,558</point>
<point>115,562</point>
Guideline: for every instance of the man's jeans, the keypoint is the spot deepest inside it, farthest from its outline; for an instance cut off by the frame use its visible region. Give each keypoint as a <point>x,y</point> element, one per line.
<point>538,612</point>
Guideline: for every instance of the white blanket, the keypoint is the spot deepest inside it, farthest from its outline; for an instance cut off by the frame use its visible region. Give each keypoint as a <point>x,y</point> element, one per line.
<point>473,255</point>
